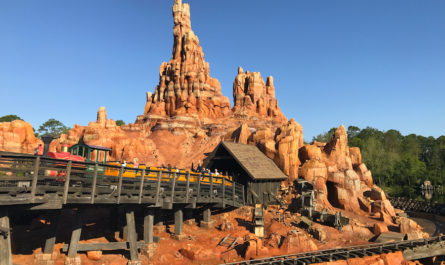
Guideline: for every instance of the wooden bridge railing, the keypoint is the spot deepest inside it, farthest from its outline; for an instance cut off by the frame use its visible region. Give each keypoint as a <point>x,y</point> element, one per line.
<point>42,180</point>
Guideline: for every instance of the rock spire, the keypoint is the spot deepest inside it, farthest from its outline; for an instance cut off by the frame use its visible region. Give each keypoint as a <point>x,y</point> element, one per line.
<point>185,85</point>
<point>252,96</point>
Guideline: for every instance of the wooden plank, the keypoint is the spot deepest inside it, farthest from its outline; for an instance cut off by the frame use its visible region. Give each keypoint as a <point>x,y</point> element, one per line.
<point>75,237</point>
<point>141,185</point>
<point>108,246</point>
<point>35,177</point>
<point>93,191</point>
<point>67,181</point>
<point>187,187</point>
<point>132,236</point>
<point>119,187</point>
<point>158,187</point>
<point>5,240</point>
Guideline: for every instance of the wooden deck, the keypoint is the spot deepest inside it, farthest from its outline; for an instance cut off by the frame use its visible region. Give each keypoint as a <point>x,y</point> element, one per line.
<point>23,182</point>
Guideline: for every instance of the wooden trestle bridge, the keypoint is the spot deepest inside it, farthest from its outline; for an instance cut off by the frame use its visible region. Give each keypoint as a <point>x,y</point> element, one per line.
<point>26,182</point>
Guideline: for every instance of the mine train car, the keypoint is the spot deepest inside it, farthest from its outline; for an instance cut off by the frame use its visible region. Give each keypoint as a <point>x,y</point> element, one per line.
<point>82,152</point>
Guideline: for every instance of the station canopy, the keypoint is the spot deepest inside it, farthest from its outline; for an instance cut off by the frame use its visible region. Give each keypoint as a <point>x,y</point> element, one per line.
<point>254,162</point>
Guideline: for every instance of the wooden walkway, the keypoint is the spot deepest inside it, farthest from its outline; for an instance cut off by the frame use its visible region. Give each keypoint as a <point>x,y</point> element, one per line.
<point>24,180</point>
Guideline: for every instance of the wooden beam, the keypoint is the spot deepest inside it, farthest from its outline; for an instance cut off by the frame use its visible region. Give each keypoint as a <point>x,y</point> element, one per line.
<point>173,189</point>
<point>51,237</point>
<point>93,191</point>
<point>34,178</point>
<point>132,236</point>
<point>187,187</point>
<point>199,187</point>
<point>158,187</point>
<point>67,181</point>
<point>119,187</point>
<point>141,185</point>
<point>108,246</point>
<point>5,239</point>
<point>223,190</point>
<point>75,236</point>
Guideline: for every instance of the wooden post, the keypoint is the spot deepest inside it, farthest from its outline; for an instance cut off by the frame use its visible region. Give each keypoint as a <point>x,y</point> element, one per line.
<point>141,186</point>
<point>132,236</point>
<point>211,187</point>
<point>158,187</point>
<point>93,191</point>
<point>234,191</point>
<point>119,187</point>
<point>5,240</point>
<point>243,199</point>
<point>67,181</point>
<point>199,187</point>
<point>75,236</point>
<point>173,188</point>
<point>148,225</point>
<point>51,237</point>
<point>223,190</point>
<point>34,179</point>
<point>187,187</point>
<point>179,218</point>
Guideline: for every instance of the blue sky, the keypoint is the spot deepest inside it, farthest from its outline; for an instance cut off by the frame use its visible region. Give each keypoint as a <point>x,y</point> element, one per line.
<point>378,63</point>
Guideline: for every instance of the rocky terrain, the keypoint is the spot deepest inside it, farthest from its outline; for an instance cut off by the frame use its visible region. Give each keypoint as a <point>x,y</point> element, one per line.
<point>187,116</point>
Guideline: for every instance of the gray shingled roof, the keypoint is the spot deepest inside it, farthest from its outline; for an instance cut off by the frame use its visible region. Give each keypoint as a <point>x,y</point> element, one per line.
<point>253,161</point>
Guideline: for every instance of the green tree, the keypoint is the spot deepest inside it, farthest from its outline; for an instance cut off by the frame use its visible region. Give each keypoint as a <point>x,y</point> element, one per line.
<point>353,131</point>
<point>120,122</point>
<point>325,137</point>
<point>9,118</point>
<point>53,128</point>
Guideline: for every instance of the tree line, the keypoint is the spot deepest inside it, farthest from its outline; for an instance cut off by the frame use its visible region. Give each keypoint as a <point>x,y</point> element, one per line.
<point>51,127</point>
<point>400,164</point>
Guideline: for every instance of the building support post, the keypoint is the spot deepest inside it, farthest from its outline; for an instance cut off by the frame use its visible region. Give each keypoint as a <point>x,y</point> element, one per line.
<point>132,237</point>
<point>5,239</point>
<point>207,221</point>
<point>179,219</point>
<point>148,225</point>
<point>72,258</point>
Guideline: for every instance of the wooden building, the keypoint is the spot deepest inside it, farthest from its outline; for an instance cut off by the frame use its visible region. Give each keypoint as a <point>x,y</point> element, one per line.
<point>260,176</point>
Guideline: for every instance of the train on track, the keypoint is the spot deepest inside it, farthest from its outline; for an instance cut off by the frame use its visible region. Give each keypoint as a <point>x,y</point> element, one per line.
<point>82,152</point>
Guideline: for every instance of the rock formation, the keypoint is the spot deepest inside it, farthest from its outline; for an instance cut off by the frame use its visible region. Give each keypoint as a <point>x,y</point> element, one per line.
<point>254,98</point>
<point>18,136</point>
<point>185,85</point>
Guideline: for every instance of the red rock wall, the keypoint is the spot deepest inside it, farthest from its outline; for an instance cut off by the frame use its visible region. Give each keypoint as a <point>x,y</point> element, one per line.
<point>17,136</point>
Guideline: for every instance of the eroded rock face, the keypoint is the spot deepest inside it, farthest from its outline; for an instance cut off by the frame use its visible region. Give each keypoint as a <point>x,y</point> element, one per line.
<point>339,176</point>
<point>185,85</point>
<point>18,136</point>
<point>252,97</point>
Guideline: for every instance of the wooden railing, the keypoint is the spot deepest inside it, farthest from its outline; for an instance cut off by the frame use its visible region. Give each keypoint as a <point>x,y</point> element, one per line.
<point>26,179</point>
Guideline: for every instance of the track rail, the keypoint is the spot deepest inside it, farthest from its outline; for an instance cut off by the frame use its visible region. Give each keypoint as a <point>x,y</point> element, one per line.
<point>435,244</point>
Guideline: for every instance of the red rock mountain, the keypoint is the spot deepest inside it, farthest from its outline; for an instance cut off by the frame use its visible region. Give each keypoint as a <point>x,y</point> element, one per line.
<point>187,116</point>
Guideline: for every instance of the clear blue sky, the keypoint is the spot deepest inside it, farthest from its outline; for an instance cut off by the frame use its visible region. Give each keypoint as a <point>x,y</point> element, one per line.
<point>378,63</point>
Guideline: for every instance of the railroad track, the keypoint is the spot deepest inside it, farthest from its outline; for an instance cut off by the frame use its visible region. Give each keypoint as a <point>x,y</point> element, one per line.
<point>411,249</point>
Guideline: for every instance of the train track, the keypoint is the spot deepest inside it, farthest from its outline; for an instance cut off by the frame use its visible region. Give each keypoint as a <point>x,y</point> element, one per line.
<point>412,249</point>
